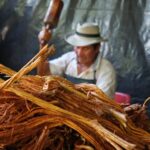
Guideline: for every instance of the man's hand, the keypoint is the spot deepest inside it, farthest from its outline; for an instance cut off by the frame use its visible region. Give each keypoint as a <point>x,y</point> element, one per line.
<point>44,36</point>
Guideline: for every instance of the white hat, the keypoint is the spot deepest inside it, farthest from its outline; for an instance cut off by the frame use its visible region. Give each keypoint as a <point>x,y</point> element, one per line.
<point>85,34</point>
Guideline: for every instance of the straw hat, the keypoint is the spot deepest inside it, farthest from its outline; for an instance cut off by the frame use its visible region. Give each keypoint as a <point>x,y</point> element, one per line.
<point>85,34</point>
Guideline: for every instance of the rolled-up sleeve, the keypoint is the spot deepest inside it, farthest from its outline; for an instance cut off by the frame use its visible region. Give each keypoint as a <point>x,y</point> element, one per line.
<point>58,65</point>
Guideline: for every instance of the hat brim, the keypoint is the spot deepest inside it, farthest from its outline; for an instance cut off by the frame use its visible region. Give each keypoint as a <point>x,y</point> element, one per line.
<point>77,40</point>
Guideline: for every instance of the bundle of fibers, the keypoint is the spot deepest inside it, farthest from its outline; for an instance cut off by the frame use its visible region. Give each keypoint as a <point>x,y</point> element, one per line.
<point>53,113</point>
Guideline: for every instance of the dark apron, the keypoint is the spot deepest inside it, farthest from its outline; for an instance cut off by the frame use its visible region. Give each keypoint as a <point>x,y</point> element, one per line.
<point>80,80</point>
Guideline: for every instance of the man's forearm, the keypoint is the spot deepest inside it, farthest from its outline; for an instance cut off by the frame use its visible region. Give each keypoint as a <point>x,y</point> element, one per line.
<point>43,68</point>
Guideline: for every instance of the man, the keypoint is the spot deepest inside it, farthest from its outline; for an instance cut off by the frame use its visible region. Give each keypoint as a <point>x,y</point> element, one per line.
<point>84,64</point>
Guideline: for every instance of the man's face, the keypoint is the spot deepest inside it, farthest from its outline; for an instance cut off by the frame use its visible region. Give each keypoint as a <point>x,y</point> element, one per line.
<point>86,55</point>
